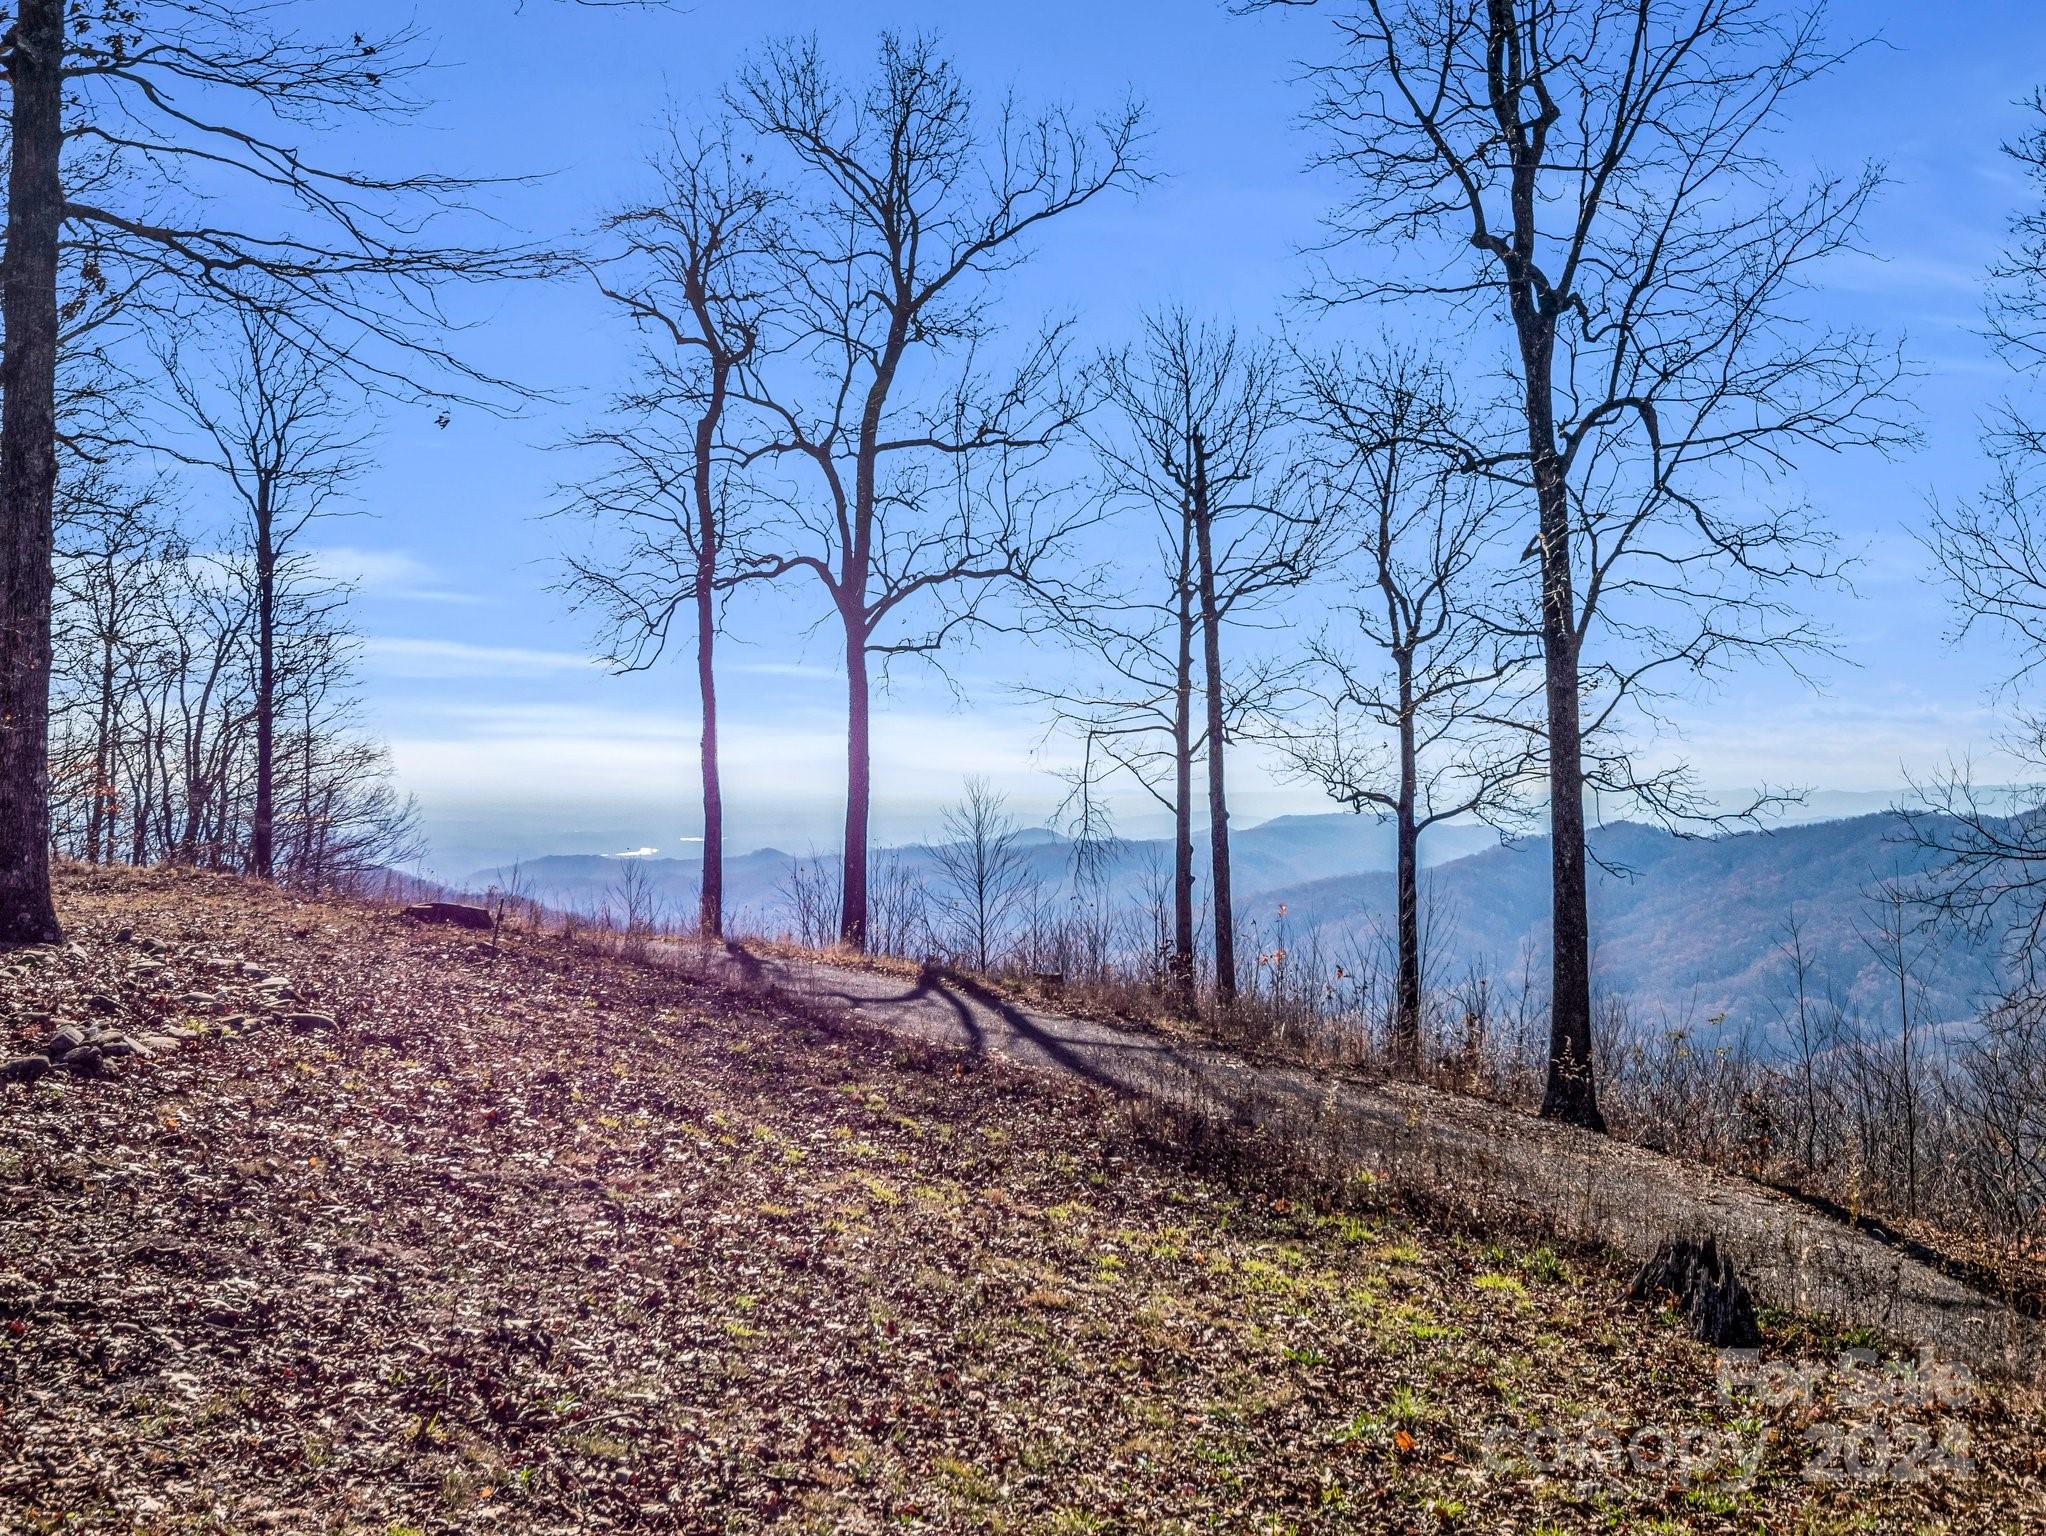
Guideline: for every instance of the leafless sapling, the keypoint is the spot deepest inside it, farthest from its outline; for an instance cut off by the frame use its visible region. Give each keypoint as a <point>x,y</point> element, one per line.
<point>983,871</point>
<point>271,419</point>
<point>690,268</point>
<point>1196,431</point>
<point>1423,721</point>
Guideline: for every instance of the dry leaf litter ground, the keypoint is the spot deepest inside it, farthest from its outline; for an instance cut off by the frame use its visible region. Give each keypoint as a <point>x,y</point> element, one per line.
<point>393,1232</point>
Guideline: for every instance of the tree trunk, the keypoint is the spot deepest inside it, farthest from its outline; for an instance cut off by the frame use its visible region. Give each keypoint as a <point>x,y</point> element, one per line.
<point>1406,1008</point>
<point>1218,799</point>
<point>263,824</point>
<point>99,829</point>
<point>710,906</point>
<point>855,570</point>
<point>1572,1093</point>
<point>852,907</point>
<point>142,786</point>
<point>28,466</point>
<point>710,909</point>
<point>1180,968</point>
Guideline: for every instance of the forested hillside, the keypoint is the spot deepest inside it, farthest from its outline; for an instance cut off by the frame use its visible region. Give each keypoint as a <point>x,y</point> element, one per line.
<point>1688,928</point>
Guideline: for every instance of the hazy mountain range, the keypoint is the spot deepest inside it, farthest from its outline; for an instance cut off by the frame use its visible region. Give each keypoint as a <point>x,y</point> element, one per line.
<point>1684,928</point>
<point>1284,851</point>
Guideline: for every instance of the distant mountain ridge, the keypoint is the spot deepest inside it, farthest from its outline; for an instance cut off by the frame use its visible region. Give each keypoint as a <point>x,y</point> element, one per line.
<point>1684,929</point>
<point>1286,850</point>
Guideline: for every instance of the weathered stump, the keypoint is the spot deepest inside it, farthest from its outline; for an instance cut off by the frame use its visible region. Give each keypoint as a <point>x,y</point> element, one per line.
<point>1691,1272</point>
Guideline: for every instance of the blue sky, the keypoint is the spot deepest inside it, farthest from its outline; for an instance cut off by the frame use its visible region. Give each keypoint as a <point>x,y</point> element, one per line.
<point>513,743</point>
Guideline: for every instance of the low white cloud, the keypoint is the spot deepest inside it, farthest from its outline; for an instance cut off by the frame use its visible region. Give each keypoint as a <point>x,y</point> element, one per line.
<point>565,756</point>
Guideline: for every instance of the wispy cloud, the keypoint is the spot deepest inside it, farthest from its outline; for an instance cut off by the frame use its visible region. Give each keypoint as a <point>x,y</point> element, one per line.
<point>1909,272</point>
<point>390,574</point>
<point>808,671</point>
<point>399,656</point>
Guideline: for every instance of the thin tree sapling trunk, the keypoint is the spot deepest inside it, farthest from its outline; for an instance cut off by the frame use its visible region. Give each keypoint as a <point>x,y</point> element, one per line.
<point>1218,797</point>
<point>1180,965</point>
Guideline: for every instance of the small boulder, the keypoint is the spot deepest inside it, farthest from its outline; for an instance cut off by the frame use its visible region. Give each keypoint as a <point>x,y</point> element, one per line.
<point>159,1045</point>
<point>115,1045</point>
<point>1691,1273</point>
<point>24,1069</point>
<point>309,1021</point>
<point>86,1061</point>
<point>65,1040</point>
<point>458,914</point>
<point>99,1002</point>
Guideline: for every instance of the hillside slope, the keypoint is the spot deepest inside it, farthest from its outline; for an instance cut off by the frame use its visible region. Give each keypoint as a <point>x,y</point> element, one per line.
<point>538,1241</point>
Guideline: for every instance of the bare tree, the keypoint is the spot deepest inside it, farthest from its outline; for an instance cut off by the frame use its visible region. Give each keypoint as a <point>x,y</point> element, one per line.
<point>158,681</point>
<point>337,813</point>
<point>508,897</point>
<point>1991,550</point>
<point>1594,174</point>
<point>880,385</point>
<point>2004,1068</point>
<point>153,144</point>
<point>983,869</point>
<point>268,417</point>
<point>1135,719</point>
<point>1437,677</point>
<point>28,464</point>
<point>206,711</point>
<point>1133,711</point>
<point>1197,435</point>
<point>691,273</point>
<point>1899,935</point>
<point>638,915</point>
<point>112,560</point>
<point>1813,1027</point>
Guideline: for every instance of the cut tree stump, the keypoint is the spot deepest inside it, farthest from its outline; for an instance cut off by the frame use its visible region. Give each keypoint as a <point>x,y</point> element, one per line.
<point>1691,1272</point>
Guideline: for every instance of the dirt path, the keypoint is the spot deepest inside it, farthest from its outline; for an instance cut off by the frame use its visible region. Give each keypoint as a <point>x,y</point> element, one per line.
<point>1490,1159</point>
